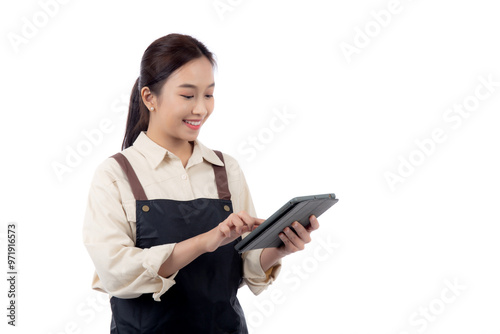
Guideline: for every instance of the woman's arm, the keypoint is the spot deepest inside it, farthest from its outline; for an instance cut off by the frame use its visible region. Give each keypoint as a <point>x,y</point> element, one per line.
<point>227,231</point>
<point>121,269</point>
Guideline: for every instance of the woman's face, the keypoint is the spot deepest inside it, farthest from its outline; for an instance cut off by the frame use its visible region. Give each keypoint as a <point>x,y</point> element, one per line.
<point>184,104</point>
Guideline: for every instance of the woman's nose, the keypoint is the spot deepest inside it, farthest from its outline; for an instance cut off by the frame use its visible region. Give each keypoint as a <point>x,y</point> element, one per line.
<point>200,108</point>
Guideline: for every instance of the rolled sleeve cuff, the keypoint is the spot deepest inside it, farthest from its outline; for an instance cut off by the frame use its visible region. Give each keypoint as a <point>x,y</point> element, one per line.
<point>154,258</point>
<point>254,276</point>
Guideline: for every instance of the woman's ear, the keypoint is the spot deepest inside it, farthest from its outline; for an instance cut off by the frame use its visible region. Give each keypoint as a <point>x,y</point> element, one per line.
<point>148,98</point>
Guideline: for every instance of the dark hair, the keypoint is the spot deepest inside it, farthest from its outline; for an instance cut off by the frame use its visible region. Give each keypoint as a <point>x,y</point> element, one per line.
<point>160,60</point>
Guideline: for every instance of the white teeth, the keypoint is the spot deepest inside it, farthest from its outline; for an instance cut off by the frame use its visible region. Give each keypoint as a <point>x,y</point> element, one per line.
<point>193,123</point>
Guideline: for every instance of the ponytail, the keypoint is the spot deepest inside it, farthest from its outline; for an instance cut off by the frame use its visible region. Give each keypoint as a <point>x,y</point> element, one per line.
<point>160,60</point>
<point>138,117</point>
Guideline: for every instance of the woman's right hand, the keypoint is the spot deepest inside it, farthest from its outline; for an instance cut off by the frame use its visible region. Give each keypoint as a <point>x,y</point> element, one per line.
<point>186,251</point>
<point>234,226</point>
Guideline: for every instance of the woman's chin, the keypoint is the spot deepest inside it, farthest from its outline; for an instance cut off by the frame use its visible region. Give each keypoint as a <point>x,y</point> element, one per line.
<point>191,136</point>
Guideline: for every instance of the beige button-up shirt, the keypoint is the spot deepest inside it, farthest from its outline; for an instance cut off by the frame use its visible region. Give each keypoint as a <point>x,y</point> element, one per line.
<point>109,229</point>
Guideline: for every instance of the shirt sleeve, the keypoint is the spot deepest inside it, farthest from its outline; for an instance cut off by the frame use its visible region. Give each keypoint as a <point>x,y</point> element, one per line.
<point>254,276</point>
<point>121,269</point>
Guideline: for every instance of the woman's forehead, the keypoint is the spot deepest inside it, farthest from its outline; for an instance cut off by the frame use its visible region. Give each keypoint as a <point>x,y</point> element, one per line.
<point>198,73</point>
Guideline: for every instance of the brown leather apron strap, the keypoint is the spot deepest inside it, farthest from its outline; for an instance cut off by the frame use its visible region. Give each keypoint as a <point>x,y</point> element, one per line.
<point>134,182</point>
<point>221,179</point>
<point>138,190</point>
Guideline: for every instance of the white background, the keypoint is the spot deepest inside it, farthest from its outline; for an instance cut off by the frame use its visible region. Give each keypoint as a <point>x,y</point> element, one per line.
<point>395,249</point>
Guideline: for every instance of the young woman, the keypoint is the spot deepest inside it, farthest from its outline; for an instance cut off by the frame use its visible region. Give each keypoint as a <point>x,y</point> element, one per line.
<point>164,214</point>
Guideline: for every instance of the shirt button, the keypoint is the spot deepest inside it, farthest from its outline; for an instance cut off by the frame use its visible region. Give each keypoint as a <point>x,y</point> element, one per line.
<point>184,176</point>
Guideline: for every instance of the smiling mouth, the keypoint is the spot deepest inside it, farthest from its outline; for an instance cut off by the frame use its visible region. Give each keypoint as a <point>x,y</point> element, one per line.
<point>195,123</point>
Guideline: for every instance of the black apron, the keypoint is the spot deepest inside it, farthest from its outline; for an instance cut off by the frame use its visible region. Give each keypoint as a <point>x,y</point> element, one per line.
<point>203,299</point>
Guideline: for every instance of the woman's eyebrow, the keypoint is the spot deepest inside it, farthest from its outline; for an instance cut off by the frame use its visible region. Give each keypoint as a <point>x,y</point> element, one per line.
<point>186,85</point>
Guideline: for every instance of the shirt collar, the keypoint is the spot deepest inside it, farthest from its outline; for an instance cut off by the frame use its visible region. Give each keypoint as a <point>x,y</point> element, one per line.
<point>155,153</point>
<point>200,152</point>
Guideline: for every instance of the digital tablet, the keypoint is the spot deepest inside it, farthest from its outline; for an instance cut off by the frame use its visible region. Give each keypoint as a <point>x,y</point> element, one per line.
<point>297,209</point>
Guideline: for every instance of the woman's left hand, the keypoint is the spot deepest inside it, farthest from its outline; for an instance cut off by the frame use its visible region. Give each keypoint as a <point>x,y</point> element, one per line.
<point>292,242</point>
<point>295,241</point>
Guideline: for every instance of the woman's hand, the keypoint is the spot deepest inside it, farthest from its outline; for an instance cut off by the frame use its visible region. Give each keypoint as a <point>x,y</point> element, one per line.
<point>295,241</point>
<point>234,226</point>
<point>292,242</point>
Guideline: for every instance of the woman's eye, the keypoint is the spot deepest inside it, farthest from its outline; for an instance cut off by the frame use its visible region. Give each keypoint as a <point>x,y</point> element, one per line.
<point>209,96</point>
<point>188,97</point>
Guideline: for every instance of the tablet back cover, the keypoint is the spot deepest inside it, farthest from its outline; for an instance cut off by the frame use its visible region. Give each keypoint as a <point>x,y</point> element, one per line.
<point>299,208</point>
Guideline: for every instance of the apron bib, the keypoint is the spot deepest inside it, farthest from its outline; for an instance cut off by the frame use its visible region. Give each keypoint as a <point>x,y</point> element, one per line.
<point>203,299</point>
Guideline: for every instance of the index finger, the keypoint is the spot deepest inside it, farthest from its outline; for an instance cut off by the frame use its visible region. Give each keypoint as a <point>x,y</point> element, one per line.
<point>249,220</point>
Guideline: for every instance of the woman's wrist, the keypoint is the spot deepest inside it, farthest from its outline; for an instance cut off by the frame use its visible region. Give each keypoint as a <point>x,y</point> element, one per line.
<point>206,242</point>
<point>270,256</point>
